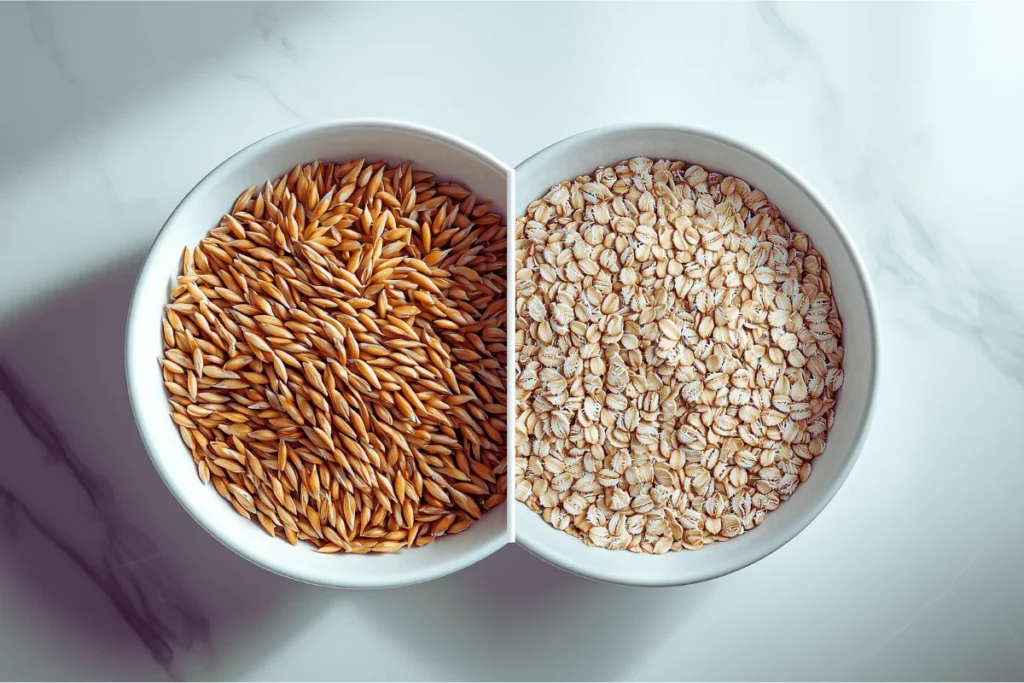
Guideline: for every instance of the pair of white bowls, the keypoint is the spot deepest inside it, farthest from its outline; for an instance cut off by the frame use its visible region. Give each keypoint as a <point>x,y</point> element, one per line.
<point>454,159</point>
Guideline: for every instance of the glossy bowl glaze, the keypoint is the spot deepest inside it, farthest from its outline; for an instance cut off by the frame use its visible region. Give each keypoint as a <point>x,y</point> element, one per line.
<point>580,155</point>
<point>446,156</point>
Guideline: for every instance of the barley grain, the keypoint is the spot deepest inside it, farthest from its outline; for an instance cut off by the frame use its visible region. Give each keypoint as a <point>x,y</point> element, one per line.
<point>335,356</point>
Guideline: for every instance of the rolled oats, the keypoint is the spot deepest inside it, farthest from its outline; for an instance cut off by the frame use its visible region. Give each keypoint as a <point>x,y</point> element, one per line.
<point>678,357</point>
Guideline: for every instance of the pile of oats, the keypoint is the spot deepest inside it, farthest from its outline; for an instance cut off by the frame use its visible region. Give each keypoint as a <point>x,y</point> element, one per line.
<point>678,357</point>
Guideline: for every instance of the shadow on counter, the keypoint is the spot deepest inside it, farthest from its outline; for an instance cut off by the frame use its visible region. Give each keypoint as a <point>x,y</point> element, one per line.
<point>89,532</point>
<point>515,617</point>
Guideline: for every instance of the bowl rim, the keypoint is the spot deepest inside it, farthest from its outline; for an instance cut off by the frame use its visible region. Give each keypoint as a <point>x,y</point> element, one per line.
<point>239,158</point>
<point>571,562</point>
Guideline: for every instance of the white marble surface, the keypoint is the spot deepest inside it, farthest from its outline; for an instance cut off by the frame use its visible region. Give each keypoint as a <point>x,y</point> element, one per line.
<point>905,117</point>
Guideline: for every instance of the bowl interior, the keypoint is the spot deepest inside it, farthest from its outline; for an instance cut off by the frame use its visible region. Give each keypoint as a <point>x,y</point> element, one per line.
<point>582,154</point>
<point>449,159</point>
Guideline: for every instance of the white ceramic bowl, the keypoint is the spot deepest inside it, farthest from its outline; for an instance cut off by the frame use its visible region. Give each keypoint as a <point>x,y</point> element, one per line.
<point>803,209</point>
<point>445,155</point>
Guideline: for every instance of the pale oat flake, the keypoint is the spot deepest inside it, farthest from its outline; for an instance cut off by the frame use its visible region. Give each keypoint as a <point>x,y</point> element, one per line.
<point>678,357</point>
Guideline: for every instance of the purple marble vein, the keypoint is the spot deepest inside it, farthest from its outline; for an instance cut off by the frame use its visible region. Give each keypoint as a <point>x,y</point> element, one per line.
<point>126,565</point>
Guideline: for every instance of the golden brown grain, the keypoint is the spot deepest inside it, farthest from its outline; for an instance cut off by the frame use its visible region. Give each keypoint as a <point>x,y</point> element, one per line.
<point>335,356</point>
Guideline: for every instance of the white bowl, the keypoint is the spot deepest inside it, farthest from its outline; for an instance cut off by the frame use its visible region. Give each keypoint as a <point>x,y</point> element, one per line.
<point>804,210</point>
<point>445,155</point>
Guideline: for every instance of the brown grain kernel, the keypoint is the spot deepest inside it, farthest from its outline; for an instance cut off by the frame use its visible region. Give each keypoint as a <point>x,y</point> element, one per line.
<point>333,351</point>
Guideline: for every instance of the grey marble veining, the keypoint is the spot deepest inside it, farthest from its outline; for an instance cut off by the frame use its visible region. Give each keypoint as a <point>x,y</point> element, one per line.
<point>100,542</point>
<point>903,116</point>
<point>909,258</point>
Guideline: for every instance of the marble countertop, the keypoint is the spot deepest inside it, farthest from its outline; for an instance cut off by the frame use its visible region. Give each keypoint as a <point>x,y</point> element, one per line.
<point>904,117</point>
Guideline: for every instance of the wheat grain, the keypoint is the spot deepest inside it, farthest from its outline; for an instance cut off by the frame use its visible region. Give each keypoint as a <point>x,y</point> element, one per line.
<point>335,356</point>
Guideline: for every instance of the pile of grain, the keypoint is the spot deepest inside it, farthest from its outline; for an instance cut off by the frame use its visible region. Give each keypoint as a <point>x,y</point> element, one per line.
<point>335,356</point>
<point>678,356</point>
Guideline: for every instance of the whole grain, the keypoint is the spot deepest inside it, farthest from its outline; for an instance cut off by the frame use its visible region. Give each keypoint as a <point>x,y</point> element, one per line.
<point>335,356</point>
